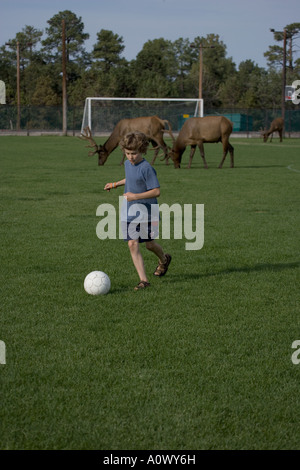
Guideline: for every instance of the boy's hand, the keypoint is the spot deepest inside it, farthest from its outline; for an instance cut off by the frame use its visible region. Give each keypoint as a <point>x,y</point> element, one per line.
<point>109,186</point>
<point>130,196</point>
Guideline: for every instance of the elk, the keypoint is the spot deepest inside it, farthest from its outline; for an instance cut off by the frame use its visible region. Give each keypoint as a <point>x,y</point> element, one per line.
<point>152,126</point>
<point>276,126</point>
<point>200,130</point>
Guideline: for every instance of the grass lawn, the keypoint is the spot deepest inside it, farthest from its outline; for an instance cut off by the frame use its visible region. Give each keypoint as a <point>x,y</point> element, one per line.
<point>202,359</point>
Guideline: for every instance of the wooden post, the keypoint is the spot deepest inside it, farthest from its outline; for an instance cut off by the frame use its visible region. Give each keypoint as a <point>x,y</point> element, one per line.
<point>18,88</point>
<point>64,80</point>
<point>283,80</point>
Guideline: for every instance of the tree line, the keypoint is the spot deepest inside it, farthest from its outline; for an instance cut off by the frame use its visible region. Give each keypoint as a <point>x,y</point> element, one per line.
<point>163,68</point>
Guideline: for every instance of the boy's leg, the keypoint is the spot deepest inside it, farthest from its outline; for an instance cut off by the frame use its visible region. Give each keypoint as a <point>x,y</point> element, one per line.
<point>164,258</point>
<point>157,250</point>
<point>137,259</point>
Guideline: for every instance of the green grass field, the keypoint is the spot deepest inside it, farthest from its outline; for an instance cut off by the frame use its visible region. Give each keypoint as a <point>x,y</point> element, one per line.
<point>202,359</point>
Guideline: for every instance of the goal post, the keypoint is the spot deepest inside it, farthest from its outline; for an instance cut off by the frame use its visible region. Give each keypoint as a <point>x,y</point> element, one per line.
<point>101,114</point>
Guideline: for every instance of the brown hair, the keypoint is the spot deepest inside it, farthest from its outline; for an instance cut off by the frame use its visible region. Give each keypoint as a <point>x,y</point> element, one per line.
<point>134,141</point>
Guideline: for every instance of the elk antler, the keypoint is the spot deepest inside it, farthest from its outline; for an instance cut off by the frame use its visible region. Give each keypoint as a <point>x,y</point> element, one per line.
<point>262,131</point>
<point>87,135</point>
<point>157,154</point>
<point>169,132</point>
<point>170,153</point>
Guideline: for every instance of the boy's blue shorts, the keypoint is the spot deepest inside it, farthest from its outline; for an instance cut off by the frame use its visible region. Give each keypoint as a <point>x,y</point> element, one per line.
<point>143,232</point>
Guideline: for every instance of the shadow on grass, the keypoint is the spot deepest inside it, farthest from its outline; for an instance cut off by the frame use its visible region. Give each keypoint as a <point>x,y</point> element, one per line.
<point>194,276</point>
<point>237,166</point>
<point>246,269</point>
<point>260,166</point>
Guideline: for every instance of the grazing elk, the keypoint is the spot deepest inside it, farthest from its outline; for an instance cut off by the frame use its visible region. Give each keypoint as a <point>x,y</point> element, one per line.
<point>201,130</point>
<point>276,126</point>
<point>152,126</point>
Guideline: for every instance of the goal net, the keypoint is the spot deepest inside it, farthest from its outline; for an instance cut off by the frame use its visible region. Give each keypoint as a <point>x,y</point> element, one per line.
<point>101,114</point>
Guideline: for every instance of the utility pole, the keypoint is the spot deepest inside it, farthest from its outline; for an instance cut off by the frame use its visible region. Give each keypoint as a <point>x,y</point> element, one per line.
<point>18,125</point>
<point>283,73</point>
<point>200,70</point>
<point>64,79</point>
<point>200,85</point>
<point>283,78</point>
<point>18,88</point>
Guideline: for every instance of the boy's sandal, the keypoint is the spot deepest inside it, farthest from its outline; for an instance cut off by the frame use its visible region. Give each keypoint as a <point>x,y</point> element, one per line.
<point>142,285</point>
<point>162,268</point>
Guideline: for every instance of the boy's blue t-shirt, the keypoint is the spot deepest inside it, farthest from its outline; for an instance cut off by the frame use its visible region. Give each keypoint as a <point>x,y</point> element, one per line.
<point>139,178</point>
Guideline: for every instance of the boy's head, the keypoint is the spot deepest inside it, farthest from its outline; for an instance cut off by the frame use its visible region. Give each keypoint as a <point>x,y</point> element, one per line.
<point>134,141</point>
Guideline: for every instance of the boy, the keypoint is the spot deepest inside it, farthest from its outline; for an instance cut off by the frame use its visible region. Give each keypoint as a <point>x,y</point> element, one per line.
<point>141,190</point>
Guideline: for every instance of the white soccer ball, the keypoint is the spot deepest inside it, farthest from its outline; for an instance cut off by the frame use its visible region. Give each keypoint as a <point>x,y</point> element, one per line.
<point>97,283</point>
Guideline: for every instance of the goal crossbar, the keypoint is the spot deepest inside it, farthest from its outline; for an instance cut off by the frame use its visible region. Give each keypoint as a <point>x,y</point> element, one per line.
<point>87,113</point>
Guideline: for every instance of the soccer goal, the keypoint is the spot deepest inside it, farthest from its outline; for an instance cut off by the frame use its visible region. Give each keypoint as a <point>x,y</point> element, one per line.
<point>101,114</point>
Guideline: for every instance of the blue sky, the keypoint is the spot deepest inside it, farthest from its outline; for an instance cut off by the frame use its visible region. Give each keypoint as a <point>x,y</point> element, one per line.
<point>242,25</point>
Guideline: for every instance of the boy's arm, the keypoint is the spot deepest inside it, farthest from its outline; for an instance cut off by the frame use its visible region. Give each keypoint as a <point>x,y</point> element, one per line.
<point>110,186</point>
<point>146,195</point>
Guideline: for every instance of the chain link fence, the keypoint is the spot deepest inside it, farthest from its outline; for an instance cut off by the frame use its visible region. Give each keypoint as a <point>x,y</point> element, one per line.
<point>48,119</point>
<point>42,119</point>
